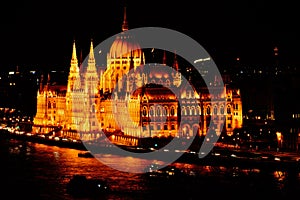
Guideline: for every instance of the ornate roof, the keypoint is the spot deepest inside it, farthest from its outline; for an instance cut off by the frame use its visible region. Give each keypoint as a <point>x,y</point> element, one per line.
<point>123,45</point>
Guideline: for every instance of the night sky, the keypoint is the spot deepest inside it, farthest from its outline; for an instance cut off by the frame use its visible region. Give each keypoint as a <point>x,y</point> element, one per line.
<point>40,33</point>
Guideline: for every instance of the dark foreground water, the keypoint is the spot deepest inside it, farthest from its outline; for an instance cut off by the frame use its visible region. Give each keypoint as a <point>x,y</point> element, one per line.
<point>37,171</point>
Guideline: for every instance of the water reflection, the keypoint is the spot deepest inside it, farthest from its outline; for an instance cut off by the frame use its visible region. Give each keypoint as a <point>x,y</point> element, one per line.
<point>42,172</point>
<point>126,164</point>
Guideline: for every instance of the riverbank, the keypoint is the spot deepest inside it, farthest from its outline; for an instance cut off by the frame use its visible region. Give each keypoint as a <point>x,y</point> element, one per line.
<point>218,156</point>
<point>53,141</point>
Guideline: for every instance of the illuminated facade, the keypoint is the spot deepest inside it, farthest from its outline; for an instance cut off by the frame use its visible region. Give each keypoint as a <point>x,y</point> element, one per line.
<point>51,107</point>
<point>130,101</point>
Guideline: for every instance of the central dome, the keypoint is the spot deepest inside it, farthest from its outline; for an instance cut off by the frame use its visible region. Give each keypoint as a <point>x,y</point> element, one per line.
<point>123,45</point>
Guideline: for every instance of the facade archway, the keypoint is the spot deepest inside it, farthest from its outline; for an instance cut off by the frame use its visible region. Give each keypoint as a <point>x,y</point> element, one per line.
<point>186,130</point>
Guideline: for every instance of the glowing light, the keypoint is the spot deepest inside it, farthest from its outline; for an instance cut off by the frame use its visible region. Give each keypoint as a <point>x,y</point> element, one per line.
<point>279,136</point>
<point>202,60</point>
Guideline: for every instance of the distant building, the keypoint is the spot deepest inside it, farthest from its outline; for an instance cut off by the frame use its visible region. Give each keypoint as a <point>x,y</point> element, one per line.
<point>18,90</point>
<point>131,101</point>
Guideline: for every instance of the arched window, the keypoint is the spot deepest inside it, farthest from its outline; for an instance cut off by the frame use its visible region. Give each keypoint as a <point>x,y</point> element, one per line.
<point>192,111</point>
<point>183,111</point>
<point>158,111</point>
<point>172,112</point>
<point>188,110</point>
<point>215,110</point>
<point>144,111</point>
<point>208,110</point>
<point>165,111</point>
<point>158,127</point>
<point>198,110</point>
<point>222,110</point>
<point>93,110</point>
<point>228,109</point>
<point>151,111</point>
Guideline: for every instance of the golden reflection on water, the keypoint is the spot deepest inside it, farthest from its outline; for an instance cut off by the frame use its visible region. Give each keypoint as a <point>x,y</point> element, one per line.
<point>127,163</point>
<point>51,168</point>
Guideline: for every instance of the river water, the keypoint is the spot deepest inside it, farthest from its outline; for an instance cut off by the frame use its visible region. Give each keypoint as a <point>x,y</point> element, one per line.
<point>37,171</point>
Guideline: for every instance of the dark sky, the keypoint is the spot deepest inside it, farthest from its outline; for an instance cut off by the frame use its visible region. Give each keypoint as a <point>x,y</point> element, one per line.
<point>41,33</point>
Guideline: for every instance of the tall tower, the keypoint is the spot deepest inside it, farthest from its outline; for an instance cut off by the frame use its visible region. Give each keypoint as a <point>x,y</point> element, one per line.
<point>74,70</point>
<point>90,75</point>
<point>90,123</point>
<point>72,78</point>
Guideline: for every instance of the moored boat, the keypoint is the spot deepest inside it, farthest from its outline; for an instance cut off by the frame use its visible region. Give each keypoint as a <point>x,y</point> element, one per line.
<point>86,154</point>
<point>81,186</point>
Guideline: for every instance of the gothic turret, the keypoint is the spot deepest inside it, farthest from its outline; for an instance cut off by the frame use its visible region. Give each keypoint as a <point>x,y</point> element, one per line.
<point>175,64</point>
<point>90,76</point>
<point>74,70</point>
<point>164,61</point>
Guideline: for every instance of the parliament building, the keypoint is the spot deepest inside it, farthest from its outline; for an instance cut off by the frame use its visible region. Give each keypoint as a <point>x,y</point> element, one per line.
<point>127,101</point>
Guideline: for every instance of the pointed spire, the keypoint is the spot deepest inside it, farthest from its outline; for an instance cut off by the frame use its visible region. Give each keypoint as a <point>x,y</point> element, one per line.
<point>125,23</point>
<point>74,70</point>
<point>164,61</point>
<point>48,79</point>
<point>92,56</point>
<point>91,62</point>
<point>175,64</point>
<point>74,57</point>
<point>74,60</point>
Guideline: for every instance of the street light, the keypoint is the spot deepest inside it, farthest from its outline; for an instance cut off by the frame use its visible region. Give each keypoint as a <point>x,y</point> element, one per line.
<point>279,139</point>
